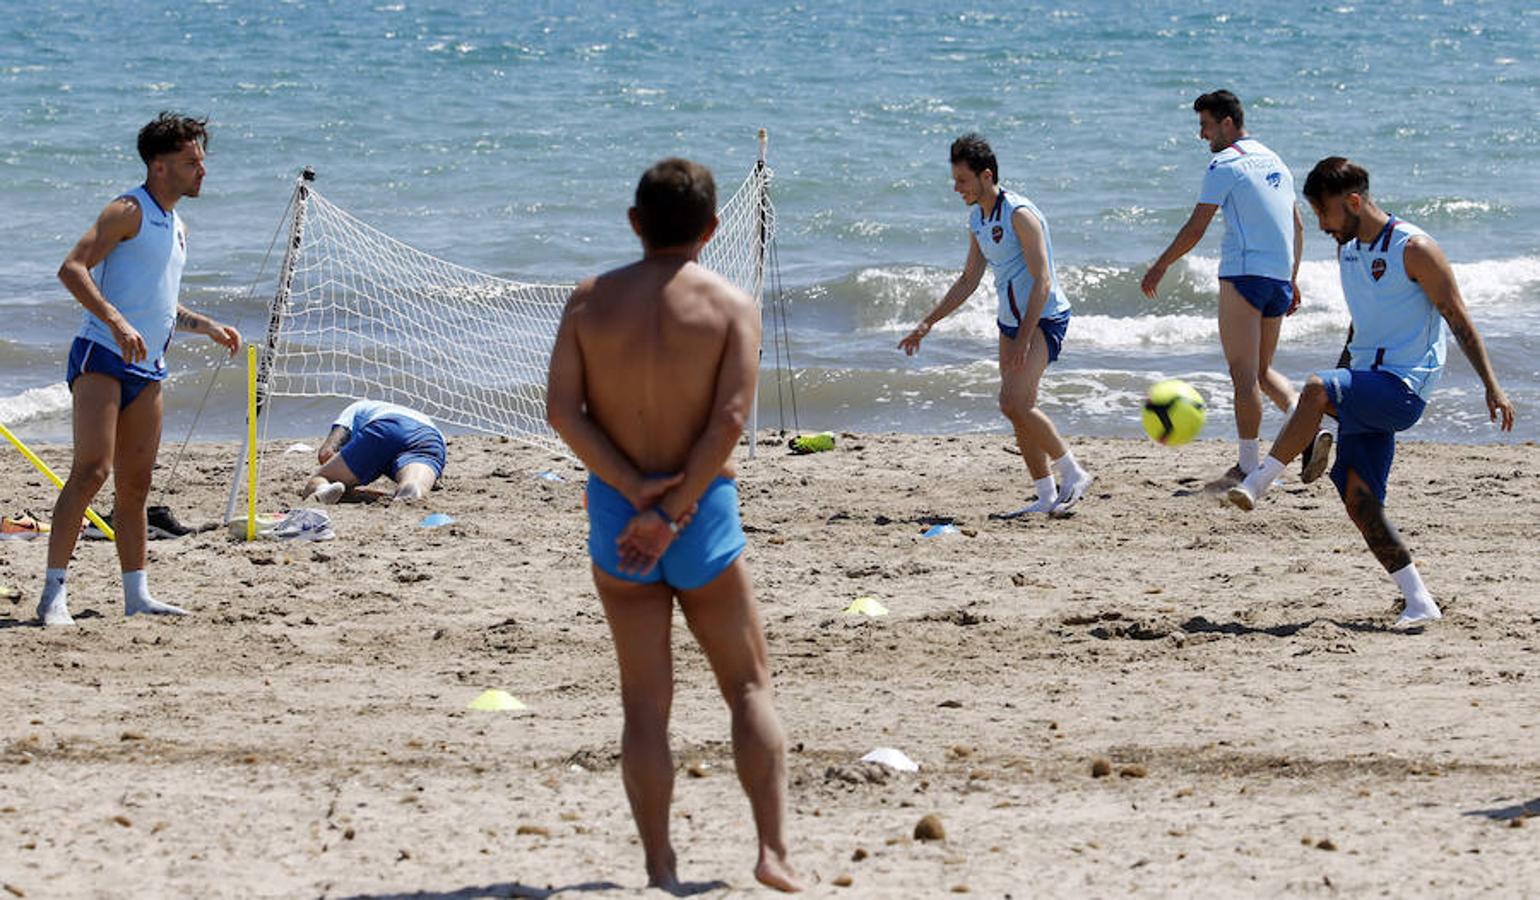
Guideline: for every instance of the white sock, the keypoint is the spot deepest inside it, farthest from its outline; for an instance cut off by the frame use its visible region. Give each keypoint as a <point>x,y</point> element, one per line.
<point>53,608</point>
<point>1047,489</point>
<point>1251,453</point>
<point>1419,601</point>
<point>137,599</point>
<point>1263,476</point>
<point>330,492</point>
<point>1066,466</point>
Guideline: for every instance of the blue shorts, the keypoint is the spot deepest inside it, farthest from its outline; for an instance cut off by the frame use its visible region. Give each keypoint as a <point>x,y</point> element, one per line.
<point>701,551</point>
<point>387,444</point>
<point>1271,296</point>
<point>1371,408</point>
<point>1053,331</point>
<point>87,355</point>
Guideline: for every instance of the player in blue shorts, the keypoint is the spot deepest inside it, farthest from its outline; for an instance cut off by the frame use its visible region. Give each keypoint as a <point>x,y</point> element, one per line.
<point>127,273</point>
<point>1010,236</point>
<point>1258,262</point>
<point>370,438</point>
<point>652,378</point>
<point>1401,293</point>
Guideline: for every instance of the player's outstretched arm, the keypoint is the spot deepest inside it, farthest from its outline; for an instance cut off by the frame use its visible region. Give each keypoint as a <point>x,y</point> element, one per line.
<point>1299,255</point>
<point>1427,265</point>
<point>956,295</point>
<point>1186,239</point>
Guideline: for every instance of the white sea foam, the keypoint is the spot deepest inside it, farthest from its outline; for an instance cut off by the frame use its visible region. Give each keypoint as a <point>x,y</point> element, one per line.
<point>34,403</point>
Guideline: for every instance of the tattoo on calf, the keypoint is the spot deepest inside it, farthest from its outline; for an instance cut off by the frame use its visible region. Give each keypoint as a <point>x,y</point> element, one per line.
<point>1384,542</point>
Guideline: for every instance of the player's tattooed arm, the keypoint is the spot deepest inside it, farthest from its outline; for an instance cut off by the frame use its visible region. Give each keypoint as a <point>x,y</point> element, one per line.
<point>1426,265</point>
<point>187,320</point>
<point>1368,514</point>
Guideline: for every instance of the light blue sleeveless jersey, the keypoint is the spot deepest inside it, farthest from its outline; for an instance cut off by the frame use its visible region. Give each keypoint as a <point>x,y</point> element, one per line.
<point>142,278</point>
<point>996,237</point>
<point>1254,190</point>
<point>1396,328</point>
<point>361,412</point>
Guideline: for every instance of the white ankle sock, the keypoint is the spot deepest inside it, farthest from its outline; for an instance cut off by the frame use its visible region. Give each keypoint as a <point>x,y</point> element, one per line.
<point>1250,455</point>
<point>1411,584</point>
<point>137,599</point>
<point>1263,476</point>
<point>1047,489</point>
<point>53,608</point>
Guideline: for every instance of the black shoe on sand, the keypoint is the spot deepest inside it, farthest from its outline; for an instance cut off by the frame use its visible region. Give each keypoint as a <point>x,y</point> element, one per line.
<point>1315,459</point>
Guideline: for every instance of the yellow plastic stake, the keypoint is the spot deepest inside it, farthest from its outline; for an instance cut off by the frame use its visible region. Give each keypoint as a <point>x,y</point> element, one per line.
<point>57,482</point>
<point>251,442</point>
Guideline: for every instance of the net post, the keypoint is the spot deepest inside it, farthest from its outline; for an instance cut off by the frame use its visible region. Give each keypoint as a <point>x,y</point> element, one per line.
<point>762,202</point>
<point>276,310</point>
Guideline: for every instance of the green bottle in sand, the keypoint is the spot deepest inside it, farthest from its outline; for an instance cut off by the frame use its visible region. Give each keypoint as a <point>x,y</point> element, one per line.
<point>812,443</point>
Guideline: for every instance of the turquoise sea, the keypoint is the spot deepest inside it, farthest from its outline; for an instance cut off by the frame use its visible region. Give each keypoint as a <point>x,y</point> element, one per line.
<point>507,137</point>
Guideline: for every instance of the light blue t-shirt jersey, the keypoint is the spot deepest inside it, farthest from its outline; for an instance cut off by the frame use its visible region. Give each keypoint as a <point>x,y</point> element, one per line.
<point>141,278</point>
<point>1396,328</point>
<point>1254,190</point>
<point>998,241</point>
<point>361,412</point>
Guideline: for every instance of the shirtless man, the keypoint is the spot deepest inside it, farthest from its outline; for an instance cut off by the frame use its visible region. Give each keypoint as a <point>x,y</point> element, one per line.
<point>137,247</point>
<point>651,380</point>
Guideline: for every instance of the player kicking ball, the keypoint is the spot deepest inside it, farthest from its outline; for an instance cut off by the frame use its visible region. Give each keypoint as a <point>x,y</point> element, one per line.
<point>1400,292</point>
<point>1010,235</point>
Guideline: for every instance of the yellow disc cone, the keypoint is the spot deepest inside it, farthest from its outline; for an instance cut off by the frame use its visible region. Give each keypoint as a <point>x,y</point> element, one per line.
<point>866,606</point>
<point>493,700</point>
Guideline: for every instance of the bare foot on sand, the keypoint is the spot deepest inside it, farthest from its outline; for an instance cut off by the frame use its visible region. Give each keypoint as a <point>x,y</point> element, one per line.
<point>774,871</point>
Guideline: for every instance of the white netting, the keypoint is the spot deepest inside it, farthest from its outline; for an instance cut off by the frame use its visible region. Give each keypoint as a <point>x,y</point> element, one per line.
<point>369,316</point>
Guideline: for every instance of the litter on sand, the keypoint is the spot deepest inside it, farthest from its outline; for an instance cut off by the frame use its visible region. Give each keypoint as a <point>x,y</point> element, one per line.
<point>866,606</point>
<point>549,476</point>
<point>436,520</point>
<point>893,759</point>
<point>300,447</point>
<point>939,531</point>
<point>494,700</point>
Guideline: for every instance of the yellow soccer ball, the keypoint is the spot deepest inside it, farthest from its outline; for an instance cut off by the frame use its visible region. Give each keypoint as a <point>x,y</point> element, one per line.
<point>1173,412</point>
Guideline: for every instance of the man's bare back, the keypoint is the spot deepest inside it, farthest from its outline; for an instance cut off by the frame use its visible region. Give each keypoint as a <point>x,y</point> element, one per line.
<point>662,341</point>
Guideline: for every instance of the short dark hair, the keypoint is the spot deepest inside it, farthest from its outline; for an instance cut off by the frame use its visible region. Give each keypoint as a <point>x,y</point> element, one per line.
<point>1220,104</point>
<point>1335,176</point>
<point>168,133</point>
<point>675,201</point>
<point>972,149</point>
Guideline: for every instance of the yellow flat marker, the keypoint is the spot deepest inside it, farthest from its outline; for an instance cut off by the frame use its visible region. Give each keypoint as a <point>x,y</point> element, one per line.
<point>866,606</point>
<point>494,700</point>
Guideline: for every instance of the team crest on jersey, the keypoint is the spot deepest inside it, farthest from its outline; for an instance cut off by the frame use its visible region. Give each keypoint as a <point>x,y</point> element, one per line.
<point>1377,268</point>
<point>997,233</point>
<point>1274,178</point>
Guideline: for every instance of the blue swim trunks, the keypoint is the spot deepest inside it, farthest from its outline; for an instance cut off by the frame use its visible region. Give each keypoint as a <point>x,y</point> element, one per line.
<point>387,444</point>
<point>87,355</point>
<point>1271,296</point>
<point>1053,330</point>
<point>701,551</point>
<point>1371,408</point>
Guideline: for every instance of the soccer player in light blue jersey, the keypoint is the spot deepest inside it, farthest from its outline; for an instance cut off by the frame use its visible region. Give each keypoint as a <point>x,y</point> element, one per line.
<point>137,247</point>
<point>1401,293</point>
<point>1008,234</point>
<point>1258,262</point>
<point>370,438</point>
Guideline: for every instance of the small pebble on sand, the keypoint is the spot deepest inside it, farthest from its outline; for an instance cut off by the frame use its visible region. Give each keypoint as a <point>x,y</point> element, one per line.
<point>930,829</point>
<point>1101,767</point>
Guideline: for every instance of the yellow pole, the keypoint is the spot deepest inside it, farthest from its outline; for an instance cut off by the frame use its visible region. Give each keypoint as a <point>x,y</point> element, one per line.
<point>251,442</point>
<point>43,467</point>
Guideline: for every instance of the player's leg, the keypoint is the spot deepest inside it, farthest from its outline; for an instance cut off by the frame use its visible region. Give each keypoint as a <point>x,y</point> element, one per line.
<point>1036,437</point>
<point>331,481</point>
<point>414,481</point>
<point>1361,474</point>
<point>95,401</point>
<point>640,617</point>
<point>1270,380</point>
<point>725,621</point>
<point>1298,432</point>
<point>138,442</point>
<point>1240,336</point>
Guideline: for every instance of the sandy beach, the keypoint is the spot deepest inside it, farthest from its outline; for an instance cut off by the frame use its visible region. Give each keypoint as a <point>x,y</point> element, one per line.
<point>305,732</point>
